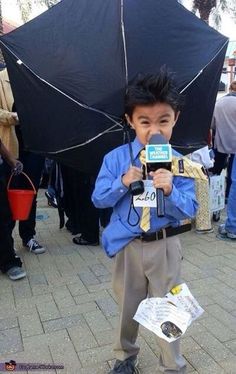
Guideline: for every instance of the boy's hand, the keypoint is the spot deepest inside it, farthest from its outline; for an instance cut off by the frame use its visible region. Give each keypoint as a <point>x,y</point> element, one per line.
<point>162,178</point>
<point>133,174</point>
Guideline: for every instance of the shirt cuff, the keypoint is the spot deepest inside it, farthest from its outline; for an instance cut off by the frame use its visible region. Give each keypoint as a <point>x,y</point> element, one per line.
<point>119,187</point>
<point>174,195</point>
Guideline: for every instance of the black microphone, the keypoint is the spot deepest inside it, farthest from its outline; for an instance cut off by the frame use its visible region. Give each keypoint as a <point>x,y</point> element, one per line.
<point>158,155</point>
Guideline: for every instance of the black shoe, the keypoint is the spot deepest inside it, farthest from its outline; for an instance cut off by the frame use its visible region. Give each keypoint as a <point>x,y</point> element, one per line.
<point>128,366</point>
<point>79,240</point>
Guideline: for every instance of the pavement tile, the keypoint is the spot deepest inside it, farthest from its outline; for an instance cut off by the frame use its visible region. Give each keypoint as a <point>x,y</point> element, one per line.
<point>224,302</point>
<point>76,261</point>
<point>82,337</point>
<point>63,265</point>
<point>30,324</point>
<point>87,277</point>
<point>77,288</point>
<point>87,255</point>
<point>100,368</point>
<point>53,277</point>
<point>21,289</point>
<point>114,321</point>
<point>99,287</point>
<point>63,298</point>
<point>225,317</point>
<point>229,365</point>
<point>203,362</point>
<point>105,278</point>
<point>231,345</point>
<point>218,329</point>
<point>105,337</point>
<point>108,306</point>
<point>195,328</point>
<point>150,339</point>
<point>8,323</point>
<point>93,296</point>
<point>10,341</point>
<point>146,356</point>
<point>62,323</point>
<point>92,319</point>
<point>39,289</point>
<point>188,344</point>
<point>99,270</point>
<point>8,311</point>
<point>43,340</point>
<point>48,310</point>
<point>211,345</point>
<point>78,309</point>
<point>65,354</point>
<point>93,356</point>
<point>37,279</point>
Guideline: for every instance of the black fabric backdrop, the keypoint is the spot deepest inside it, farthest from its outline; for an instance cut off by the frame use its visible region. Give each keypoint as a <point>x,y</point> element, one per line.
<point>73,54</point>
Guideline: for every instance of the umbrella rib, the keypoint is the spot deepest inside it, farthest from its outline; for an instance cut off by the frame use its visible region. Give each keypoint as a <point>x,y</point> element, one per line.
<point>86,142</point>
<point>124,41</point>
<point>20,62</point>
<point>200,72</point>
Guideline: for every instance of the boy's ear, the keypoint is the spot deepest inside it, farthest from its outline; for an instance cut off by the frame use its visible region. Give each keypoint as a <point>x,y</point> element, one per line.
<point>128,120</point>
<point>177,116</point>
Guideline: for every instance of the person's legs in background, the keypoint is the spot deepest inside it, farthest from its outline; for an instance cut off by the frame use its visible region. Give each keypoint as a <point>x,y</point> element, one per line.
<point>228,230</point>
<point>9,262</point>
<point>228,177</point>
<point>230,224</point>
<point>220,162</point>
<point>72,205</point>
<point>88,213</point>
<point>33,166</point>
<point>50,193</point>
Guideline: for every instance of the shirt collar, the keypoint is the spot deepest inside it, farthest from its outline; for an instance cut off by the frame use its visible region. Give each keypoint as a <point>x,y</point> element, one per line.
<point>137,147</point>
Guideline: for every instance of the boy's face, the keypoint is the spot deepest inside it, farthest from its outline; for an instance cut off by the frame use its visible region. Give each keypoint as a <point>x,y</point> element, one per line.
<point>148,120</point>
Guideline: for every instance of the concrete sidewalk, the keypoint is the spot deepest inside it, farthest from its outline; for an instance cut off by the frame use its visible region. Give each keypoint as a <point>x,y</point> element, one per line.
<point>64,312</point>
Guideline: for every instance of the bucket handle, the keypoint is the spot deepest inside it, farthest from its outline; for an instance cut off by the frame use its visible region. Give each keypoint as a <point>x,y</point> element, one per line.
<point>30,181</point>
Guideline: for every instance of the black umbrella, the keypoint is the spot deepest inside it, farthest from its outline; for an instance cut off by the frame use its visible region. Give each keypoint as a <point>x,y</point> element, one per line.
<point>69,68</point>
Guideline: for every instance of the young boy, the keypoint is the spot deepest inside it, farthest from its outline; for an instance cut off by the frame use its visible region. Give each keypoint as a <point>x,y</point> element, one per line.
<point>146,263</point>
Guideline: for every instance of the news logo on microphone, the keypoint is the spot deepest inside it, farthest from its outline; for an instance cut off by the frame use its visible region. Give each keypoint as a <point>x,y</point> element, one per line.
<point>158,153</point>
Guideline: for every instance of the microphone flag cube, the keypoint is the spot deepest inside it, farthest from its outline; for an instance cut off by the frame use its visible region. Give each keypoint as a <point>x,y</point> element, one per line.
<point>158,153</point>
<point>158,156</point>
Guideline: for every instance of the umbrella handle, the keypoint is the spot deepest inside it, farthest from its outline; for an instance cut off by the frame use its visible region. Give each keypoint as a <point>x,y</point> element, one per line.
<point>26,176</point>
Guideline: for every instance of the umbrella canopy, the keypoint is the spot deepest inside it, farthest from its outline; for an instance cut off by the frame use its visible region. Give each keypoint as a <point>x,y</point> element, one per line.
<point>69,68</point>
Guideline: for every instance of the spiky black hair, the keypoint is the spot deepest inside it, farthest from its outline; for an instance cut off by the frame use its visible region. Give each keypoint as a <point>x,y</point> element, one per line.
<point>150,89</point>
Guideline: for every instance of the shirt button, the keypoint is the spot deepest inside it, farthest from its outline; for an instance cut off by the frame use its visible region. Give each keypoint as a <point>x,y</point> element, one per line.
<point>121,190</point>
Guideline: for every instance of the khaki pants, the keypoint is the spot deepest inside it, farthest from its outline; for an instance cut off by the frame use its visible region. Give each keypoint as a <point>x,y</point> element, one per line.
<point>146,269</point>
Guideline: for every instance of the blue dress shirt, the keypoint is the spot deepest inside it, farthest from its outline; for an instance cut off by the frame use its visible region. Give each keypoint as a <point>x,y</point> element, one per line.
<point>110,192</point>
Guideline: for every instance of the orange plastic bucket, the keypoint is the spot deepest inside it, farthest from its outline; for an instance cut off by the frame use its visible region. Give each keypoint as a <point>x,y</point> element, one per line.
<point>20,201</point>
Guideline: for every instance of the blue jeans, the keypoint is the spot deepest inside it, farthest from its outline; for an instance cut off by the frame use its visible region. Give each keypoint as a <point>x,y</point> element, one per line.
<point>230,224</point>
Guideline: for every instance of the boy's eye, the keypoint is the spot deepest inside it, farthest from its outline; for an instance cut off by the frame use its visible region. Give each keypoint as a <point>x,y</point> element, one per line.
<point>164,122</point>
